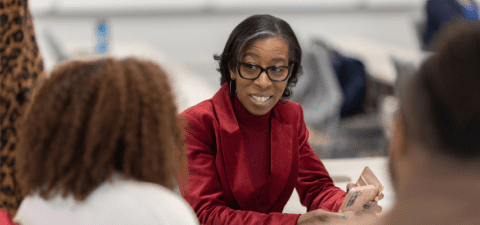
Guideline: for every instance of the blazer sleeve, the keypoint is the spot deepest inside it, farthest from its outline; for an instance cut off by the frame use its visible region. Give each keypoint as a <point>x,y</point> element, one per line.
<point>203,190</point>
<point>314,185</point>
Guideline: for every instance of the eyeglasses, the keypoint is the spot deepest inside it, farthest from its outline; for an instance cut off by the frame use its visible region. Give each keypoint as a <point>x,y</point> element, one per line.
<point>252,72</point>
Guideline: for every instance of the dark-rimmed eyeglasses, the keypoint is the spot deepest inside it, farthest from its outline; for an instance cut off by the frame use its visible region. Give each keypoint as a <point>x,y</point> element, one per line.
<point>251,71</point>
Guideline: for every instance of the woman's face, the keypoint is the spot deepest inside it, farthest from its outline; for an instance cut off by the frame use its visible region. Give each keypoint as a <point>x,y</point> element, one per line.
<point>260,95</point>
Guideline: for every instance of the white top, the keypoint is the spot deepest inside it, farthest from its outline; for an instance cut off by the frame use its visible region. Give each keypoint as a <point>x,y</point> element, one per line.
<point>118,202</point>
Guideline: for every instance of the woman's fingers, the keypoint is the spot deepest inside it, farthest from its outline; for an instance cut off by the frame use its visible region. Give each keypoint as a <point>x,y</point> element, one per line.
<point>350,186</point>
<point>327,216</point>
<point>337,218</point>
<point>358,218</point>
<point>372,207</point>
<point>379,197</point>
<point>320,217</point>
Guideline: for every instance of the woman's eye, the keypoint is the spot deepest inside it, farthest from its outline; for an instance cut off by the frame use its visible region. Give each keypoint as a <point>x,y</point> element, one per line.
<point>250,66</point>
<point>277,69</point>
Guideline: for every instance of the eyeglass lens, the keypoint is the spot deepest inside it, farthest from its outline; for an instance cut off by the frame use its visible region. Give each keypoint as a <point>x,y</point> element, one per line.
<point>251,71</point>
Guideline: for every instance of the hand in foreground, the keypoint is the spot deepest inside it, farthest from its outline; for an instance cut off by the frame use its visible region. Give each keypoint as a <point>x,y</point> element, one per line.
<point>377,198</point>
<point>371,207</point>
<point>323,217</point>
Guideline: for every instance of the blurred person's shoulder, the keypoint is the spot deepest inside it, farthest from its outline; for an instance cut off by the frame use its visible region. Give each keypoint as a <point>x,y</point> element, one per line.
<point>116,201</point>
<point>145,201</point>
<point>167,206</point>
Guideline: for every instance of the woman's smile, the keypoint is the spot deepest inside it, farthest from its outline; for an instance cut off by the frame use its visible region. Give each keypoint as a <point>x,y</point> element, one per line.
<point>259,100</point>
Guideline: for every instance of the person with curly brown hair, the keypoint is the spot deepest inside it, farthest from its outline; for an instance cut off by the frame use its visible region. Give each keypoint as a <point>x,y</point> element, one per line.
<point>100,144</point>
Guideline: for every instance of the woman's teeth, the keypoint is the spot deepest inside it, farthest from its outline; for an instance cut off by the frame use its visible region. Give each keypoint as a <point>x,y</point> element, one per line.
<point>260,99</point>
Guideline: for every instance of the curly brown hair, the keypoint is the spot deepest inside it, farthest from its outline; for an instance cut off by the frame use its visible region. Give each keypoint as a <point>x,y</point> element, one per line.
<point>91,118</point>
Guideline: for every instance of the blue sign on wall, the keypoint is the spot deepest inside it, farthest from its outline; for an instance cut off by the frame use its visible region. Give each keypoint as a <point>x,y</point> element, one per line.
<point>102,32</point>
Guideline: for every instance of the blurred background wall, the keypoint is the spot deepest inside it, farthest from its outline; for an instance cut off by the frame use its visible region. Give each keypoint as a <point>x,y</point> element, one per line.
<point>190,32</point>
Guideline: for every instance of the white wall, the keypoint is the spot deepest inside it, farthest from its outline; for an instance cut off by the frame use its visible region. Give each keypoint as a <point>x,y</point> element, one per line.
<point>193,39</point>
<point>190,32</point>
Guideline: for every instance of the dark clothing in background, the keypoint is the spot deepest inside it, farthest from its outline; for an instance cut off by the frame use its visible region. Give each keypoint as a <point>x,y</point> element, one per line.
<point>440,12</point>
<point>353,80</point>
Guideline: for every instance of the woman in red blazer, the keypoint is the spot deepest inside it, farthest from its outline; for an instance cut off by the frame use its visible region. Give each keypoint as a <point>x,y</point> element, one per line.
<point>247,146</point>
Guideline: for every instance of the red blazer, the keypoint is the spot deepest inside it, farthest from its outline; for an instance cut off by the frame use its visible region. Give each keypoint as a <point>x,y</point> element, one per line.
<point>220,187</point>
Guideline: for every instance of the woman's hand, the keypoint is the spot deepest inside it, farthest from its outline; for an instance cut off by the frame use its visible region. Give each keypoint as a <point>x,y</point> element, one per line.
<point>320,216</point>
<point>371,207</point>
<point>377,198</point>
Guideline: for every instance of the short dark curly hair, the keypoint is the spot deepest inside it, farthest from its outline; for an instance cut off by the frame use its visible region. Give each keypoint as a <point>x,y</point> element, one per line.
<point>254,28</point>
<point>441,106</point>
<point>91,118</point>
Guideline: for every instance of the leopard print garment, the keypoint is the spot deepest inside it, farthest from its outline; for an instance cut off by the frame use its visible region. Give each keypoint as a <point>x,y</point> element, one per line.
<point>21,68</point>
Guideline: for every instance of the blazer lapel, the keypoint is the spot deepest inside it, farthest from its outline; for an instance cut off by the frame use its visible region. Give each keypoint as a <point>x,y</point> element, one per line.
<point>233,152</point>
<point>280,163</point>
<point>238,171</point>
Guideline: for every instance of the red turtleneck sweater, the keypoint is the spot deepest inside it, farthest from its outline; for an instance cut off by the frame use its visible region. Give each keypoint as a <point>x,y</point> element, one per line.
<point>255,132</point>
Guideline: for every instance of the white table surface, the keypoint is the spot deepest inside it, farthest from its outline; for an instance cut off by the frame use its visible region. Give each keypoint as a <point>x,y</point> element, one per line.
<point>352,168</point>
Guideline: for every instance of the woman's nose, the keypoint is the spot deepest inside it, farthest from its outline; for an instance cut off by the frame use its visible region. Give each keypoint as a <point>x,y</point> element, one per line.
<point>263,81</point>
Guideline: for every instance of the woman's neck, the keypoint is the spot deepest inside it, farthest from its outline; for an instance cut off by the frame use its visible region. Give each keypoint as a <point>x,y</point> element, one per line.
<point>245,117</point>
